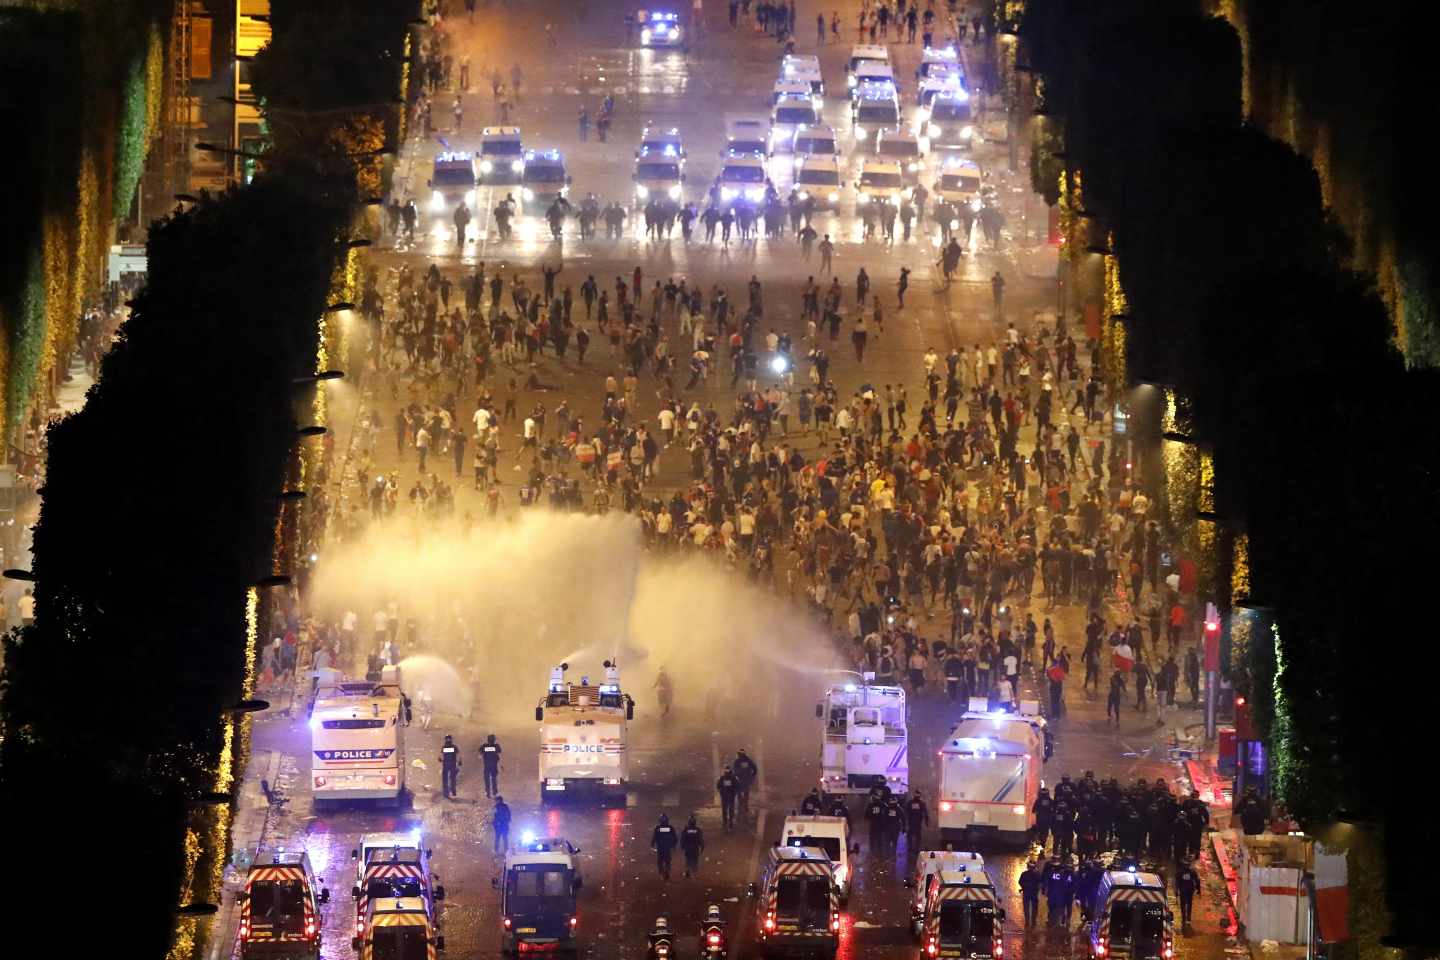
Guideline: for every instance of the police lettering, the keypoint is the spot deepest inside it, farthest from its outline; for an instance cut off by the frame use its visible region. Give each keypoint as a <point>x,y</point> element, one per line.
<point>583,748</point>
<point>377,754</point>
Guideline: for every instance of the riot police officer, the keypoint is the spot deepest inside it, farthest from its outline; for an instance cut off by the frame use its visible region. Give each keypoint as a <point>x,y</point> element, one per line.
<point>1064,827</point>
<point>502,824</point>
<point>663,840</point>
<point>490,757</point>
<point>745,773</point>
<point>917,817</point>
<point>692,843</point>
<point>894,820</point>
<point>1187,884</point>
<point>875,814</point>
<point>1030,881</point>
<point>810,806</point>
<point>727,786</point>
<point>1059,893</point>
<point>1044,813</point>
<point>449,766</point>
<point>836,807</point>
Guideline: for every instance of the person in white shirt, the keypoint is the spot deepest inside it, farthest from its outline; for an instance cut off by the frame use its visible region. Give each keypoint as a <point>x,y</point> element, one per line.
<point>666,416</point>
<point>482,420</point>
<point>26,605</point>
<point>382,626</point>
<point>930,359</point>
<point>531,429</point>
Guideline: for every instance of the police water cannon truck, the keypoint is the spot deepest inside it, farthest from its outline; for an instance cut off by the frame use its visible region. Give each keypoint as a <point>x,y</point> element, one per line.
<point>538,913</point>
<point>990,775</point>
<point>864,740</point>
<point>357,739</point>
<point>583,749</point>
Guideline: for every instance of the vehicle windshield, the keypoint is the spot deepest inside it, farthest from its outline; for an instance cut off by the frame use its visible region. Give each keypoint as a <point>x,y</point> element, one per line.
<point>454,177</point>
<point>804,897</point>
<point>795,114</point>
<point>368,724</point>
<point>501,148</point>
<point>885,113</point>
<point>748,146</point>
<point>857,62</point>
<point>950,110</point>
<point>530,892</point>
<point>1140,924</point>
<point>398,943</point>
<point>745,174</point>
<point>657,171</point>
<point>961,184</point>
<point>819,178</point>
<point>544,174</point>
<point>969,922</point>
<point>898,148</point>
<point>871,178</point>
<point>814,145</point>
<point>394,887</point>
<point>278,904</point>
<point>831,845</point>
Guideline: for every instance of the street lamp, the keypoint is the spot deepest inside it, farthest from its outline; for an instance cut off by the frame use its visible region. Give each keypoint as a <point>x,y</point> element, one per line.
<point>251,706</point>
<point>273,580</point>
<point>356,243</point>
<point>337,307</point>
<point>187,198</point>
<point>24,575</point>
<point>216,148</point>
<point>311,431</point>
<point>197,910</point>
<point>318,377</point>
<point>291,496</point>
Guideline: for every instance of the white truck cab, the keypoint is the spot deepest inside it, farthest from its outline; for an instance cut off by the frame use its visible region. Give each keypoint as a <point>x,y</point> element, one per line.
<point>742,178</point>
<point>863,53</point>
<point>948,121</point>
<point>864,725</point>
<point>583,748</point>
<point>959,182</point>
<point>903,147</point>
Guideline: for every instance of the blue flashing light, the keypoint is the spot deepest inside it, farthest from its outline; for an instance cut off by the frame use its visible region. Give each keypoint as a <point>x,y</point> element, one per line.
<point>659,16</point>
<point>849,688</point>
<point>669,150</point>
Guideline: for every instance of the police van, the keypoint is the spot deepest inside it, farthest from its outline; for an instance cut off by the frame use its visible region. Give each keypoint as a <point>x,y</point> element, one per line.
<point>395,866</point>
<point>815,140</point>
<point>963,917</point>
<point>863,53</point>
<point>280,908</point>
<point>803,68</point>
<point>817,179</point>
<point>583,737</point>
<point>537,888</point>
<point>938,62</point>
<point>869,73</point>
<point>453,180</point>
<point>831,834</point>
<point>791,113</point>
<point>745,135</point>
<point>881,182</point>
<point>660,173</point>
<point>904,148</point>
<point>661,28</point>
<point>502,157</point>
<point>875,107</point>
<point>788,88</point>
<point>864,740</point>
<point>797,908</point>
<point>990,767</point>
<point>1130,918</point>
<point>959,183</point>
<point>928,866</point>
<point>742,178</point>
<point>544,180</point>
<point>948,122</point>
<point>357,740</point>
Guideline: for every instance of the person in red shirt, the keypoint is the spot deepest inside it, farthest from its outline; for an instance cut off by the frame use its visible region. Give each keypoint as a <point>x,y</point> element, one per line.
<point>1177,623</point>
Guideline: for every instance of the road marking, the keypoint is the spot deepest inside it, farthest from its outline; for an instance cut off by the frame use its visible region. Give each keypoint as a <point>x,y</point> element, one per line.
<point>752,868</point>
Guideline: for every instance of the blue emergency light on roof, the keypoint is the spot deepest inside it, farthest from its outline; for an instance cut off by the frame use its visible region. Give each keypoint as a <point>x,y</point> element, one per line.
<point>1131,868</point>
<point>660,16</point>
<point>669,149</point>
<point>609,688</point>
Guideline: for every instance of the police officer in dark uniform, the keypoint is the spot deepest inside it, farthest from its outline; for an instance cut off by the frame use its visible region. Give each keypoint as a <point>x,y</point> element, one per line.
<point>745,773</point>
<point>954,674</point>
<point>449,766</point>
<point>1087,884</point>
<point>836,807</point>
<point>664,841</point>
<point>692,842</point>
<point>1064,827</point>
<point>490,757</point>
<point>917,817</point>
<point>1180,837</point>
<point>1044,815</point>
<point>1085,834</point>
<point>1030,882</point>
<point>875,814</point>
<point>1059,892</point>
<point>810,806</point>
<point>1187,884</point>
<point>501,824</point>
<point>894,820</point>
<point>1252,812</point>
<point>727,786</point>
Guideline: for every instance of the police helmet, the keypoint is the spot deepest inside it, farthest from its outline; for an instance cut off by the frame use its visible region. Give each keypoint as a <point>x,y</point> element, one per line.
<point>712,912</point>
<point>449,739</point>
<point>661,924</point>
<point>490,738</point>
<point>691,821</point>
<point>664,818</point>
